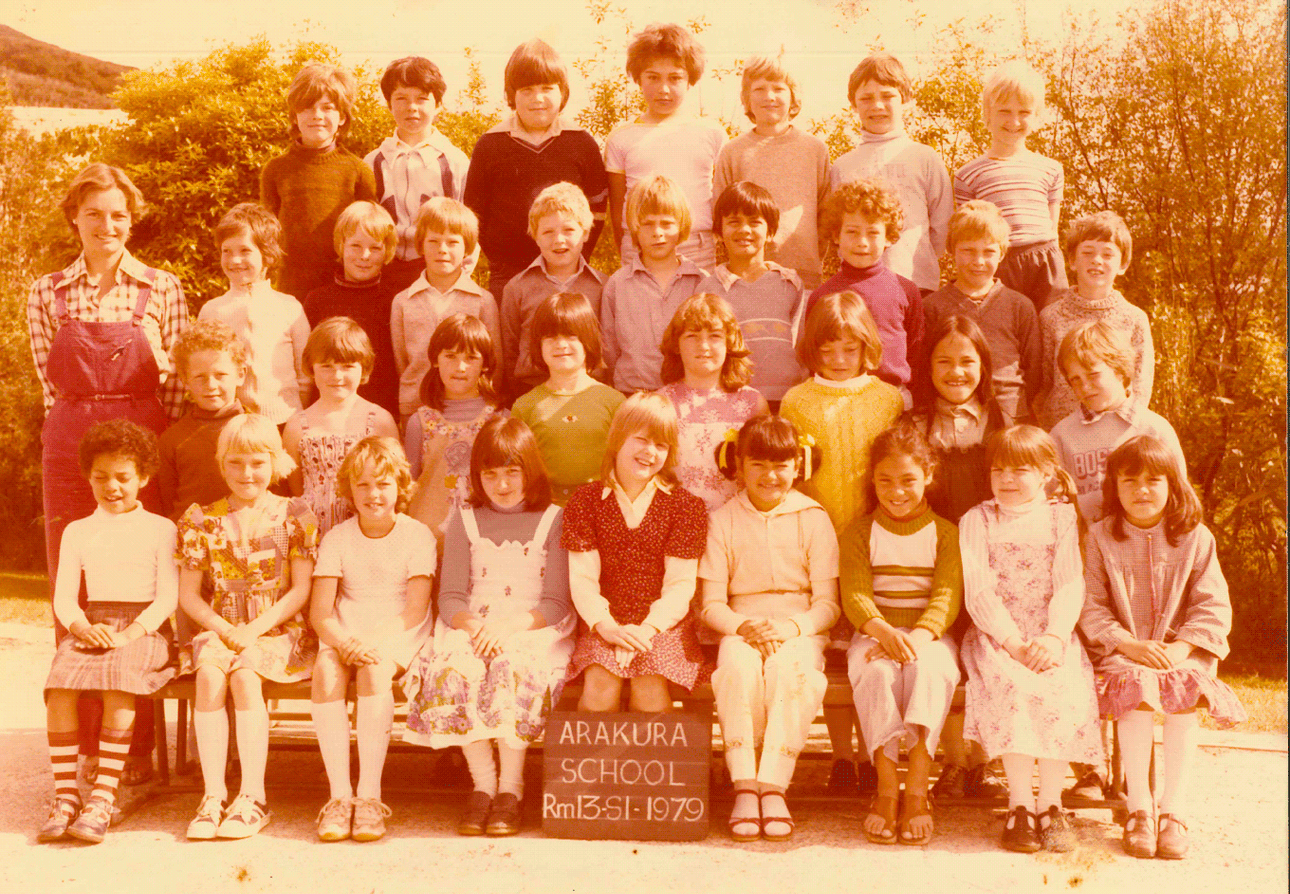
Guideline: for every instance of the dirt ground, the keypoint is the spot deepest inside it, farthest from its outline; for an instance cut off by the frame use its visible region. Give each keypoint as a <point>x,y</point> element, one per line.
<point>1238,825</point>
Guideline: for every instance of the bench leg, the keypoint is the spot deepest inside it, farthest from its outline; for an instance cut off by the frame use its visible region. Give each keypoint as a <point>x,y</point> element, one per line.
<point>162,741</point>
<point>182,765</point>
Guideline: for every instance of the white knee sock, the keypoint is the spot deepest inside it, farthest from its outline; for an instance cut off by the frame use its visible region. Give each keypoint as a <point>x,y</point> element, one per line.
<point>374,719</point>
<point>211,730</point>
<point>1136,735</point>
<point>253,748</point>
<point>1020,770</point>
<point>1181,733</point>
<point>331,726</point>
<point>483,769</point>
<point>1051,776</point>
<point>510,777</point>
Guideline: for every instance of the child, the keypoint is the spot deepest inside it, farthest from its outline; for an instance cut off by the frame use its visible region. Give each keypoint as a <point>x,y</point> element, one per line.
<point>977,242</point>
<point>570,413</point>
<point>770,588</point>
<point>505,628</point>
<point>1030,685</point>
<point>120,643</point>
<point>1097,361</point>
<point>446,232</point>
<point>1024,185</point>
<point>767,299</point>
<point>415,164</point>
<point>559,220</point>
<point>515,161</point>
<point>862,218</point>
<point>634,540</point>
<point>879,92</point>
<point>272,323</point>
<point>792,165</point>
<point>706,368</point>
<point>1099,248</point>
<point>366,241</point>
<point>902,585</point>
<point>643,295</point>
<point>665,61</point>
<point>1156,618</point>
<point>339,354</point>
<point>370,606</point>
<point>258,550</point>
<point>458,396</point>
<point>312,182</point>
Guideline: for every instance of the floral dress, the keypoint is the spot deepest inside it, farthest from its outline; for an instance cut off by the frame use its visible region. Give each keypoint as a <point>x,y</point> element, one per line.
<point>321,454</point>
<point>445,466</point>
<point>705,417</point>
<point>247,577</point>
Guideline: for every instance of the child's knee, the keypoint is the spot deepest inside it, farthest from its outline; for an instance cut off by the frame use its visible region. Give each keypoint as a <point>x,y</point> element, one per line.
<point>374,679</point>
<point>247,688</point>
<point>212,688</point>
<point>601,690</point>
<point>650,693</point>
<point>330,677</point>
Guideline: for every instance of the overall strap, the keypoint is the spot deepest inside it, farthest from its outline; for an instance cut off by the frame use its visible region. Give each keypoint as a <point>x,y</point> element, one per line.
<point>544,526</point>
<point>145,295</point>
<point>445,175</point>
<point>60,296</point>
<point>468,522</point>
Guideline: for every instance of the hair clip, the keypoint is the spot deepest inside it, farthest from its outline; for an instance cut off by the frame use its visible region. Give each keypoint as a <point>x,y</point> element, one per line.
<point>806,442</point>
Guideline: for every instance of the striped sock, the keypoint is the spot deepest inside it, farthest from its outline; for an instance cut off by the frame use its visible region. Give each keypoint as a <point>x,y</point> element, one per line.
<point>114,745</point>
<point>63,748</point>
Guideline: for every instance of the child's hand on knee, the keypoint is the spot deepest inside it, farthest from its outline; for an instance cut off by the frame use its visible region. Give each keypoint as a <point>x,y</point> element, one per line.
<point>493,632</point>
<point>98,636</point>
<point>894,643</point>
<point>239,637</point>
<point>1178,652</point>
<point>1043,653</point>
<point>352,652</point>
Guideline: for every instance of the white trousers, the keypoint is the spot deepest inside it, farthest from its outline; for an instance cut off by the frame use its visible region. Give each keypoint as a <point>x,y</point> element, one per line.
<point>899,701</point>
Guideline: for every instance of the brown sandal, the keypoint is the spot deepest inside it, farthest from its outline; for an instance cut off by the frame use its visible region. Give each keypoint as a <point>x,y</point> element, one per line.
<point>913,807</point>
<point>754,820</point>
<point>784,818</point>
<point>883,807</point>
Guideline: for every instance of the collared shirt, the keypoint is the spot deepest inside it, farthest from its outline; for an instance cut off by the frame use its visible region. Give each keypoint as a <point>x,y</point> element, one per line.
<point>407,175</point>
<point>957,426</point>
<point>634,510</point>
<point>511,125</point>
<point>520,300</point>
<point>634,313</point>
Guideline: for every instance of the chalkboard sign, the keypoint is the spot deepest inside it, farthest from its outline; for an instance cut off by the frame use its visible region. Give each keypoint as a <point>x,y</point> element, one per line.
<point>626,776</point>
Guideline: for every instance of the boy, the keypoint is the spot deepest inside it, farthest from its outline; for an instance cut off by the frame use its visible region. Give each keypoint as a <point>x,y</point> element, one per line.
<point>665,61</point>
<point>767,299</point>
<point>559,223</point>
<point>640,298</point>
<point>523,155</point>
<point>863,218</point>
<point>418,162</point>
<point>1097,361</point>
<point>1099,248</point>
<point>1024,185</point>
<point>447,231</point>
<point>978,241</point>
<point>309,184</point>
<point>879,90</point>
<point>791,164</point>
<point>366,241</point>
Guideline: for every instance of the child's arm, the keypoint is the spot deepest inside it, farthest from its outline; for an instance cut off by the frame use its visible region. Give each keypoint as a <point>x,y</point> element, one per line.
<point>1206,608</point>
<point>197,608</point>
<point>617,199</point>
<point>396,334</point>
<point>947,583</point>
<point>555,605</point>
<point>1029,350</point>
<point>288,606</point>
<point>714,580</point>
<point>454,578</point>
<point>67,588</point>
<point>365,185</point>
<point>682,550</point>
<point>1068,578</point>
<point>1055,194</point>
<point>1145,375</point>
<point>594,183</point>
<point>291,444</point>
<point>856,580</point>
<point>167,477</point>
<point>489,317</point>
<point>939,192</point>
<point>608,326</point>
<point>414,442</point>
<point>914,323</point>
<point>511,325</point>
<point>1098,620</point>
<point>983,604</point>
<point>322,613</point>
<point>165,586</point>
<point>269,196</point>
<point>299,335</point>
<point>1047,365</point>
<point>385,426</point>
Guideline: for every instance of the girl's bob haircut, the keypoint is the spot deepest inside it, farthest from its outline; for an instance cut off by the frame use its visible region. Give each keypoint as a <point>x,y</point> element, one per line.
<point>254,220</point>
<point>384,458</point>
<point>208,335</point>
<point>120,437</point>
<point>836,316</point>
<point>316,81</point>
<point>569,314</point>
<point>965,326</point>
<point>652,413</point>
<point>251,433</point>
<point>768,438</point>
<point>532,63</point>
<point>459,332</point>
<point>339,340</point>
<point>1147,453</point>
<point>444,215</point>
<point>373,220</point>
<point>747,198</point>
<point>506,441</point>
<point>707,311</point>
<point>97,177</point>
<point>658,195</point>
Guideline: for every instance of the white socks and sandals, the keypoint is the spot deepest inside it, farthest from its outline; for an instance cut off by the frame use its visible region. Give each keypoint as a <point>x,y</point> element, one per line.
<point>760,811</point>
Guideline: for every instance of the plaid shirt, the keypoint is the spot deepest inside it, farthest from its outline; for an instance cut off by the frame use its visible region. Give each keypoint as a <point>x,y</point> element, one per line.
<point>166,318</point>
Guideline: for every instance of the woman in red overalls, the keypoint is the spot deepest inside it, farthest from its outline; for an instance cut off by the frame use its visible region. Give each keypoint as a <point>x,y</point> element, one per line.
<point>101,332</point>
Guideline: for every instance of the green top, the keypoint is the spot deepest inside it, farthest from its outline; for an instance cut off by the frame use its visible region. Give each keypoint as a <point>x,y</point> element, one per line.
<point>571,430</point>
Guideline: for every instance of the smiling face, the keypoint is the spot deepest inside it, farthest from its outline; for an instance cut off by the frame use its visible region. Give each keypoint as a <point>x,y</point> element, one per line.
<point>363,256</point>
<point>247,475</point>
<point>444,254</point>
<point>840,358</point>
<point>414,111</point>
<point>703,351</point>
<point>664,83</point>
<point>103,222</point>
<point>1096,265</point>
<point>1143,497</point>
<point>639,459</point>
<point>975,263</point>
<point>116,481</point>
<point>375,495</point>
<point>241,261</point>
<point>901,484</point>
<point>503,485</point>
<point>1097,387</point>
<point>560,237</point>
<point>861,241</point>
<point>745,236</point>
<point>1015,486</point>
<point>770,102</point>
<point>460,370</point>
<point>537,106</point>
<point>880,107</point>
<point>767,481</point>
<point>319,123</point>
<point>211,379</point>
<point>337,380</point>
<point>1010,120</point>
<point>564,354</point>
<point>658,235</point>
<point>956,368</point>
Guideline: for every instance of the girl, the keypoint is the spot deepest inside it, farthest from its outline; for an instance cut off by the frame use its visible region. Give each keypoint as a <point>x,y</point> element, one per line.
<point>115,647</point>
<point>258,550</point>
<point>1157,618</point>
<point>1030,685</point>
<point>902,585</point>
<point>570,413</point>
<point>634,539</point>
<point>505,628</point>
<point>769,578</point>
<point>706,368</point>
<point>339,356</point>
<point>458,396</point>
<point>370,606</point>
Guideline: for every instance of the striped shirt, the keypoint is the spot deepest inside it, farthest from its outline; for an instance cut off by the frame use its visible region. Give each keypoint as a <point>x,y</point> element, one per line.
<point>1023,186</point>
<point>406,176</point>
<point>634,313</point>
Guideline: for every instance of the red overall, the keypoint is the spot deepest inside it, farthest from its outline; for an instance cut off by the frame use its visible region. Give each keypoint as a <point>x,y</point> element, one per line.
<point>100,371</point>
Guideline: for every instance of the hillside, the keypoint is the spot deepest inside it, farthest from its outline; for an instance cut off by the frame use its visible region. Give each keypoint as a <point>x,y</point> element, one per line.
<point>41,74</point>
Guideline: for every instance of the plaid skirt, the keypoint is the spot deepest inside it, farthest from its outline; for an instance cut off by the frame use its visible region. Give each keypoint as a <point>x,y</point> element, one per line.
<point>141,667</point>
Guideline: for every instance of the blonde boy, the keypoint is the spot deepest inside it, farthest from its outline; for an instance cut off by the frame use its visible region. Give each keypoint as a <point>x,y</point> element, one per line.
<point>789,163</point>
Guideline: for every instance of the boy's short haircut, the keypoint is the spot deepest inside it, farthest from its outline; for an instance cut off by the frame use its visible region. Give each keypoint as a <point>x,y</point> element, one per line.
<point>207,335</point>
<point>373,220</point>
<point>444,215</point>
<point>385,457</point>
<point>746,197</point>
<point>837,316</point>
<point>565,313</point>
<point>1098,342</point>
<point>669,41</point>
<point>340,340</point>
<point>260,224</point>
<point>1014,79</point>
<point>316,80</point>
<point>767,68</point>
<point>978,219</point>
<point>252,433</point>
<point>413,71</point>
<point>883,68</point>
<point>97,177</point>
<point>560,198</point>
<point>871,198</point>
<point>1104,226</point>
<point>120,437</point>
<point>658,195</point>
<point>535,62</point>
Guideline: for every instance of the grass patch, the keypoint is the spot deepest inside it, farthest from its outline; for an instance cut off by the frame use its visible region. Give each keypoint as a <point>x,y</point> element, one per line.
<point>24,599</point>
<point>1264,699</point>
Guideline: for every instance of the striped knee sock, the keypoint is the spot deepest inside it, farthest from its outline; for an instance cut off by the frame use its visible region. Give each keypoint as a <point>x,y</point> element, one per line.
<point>63,748</point>
<point>114,745</point>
